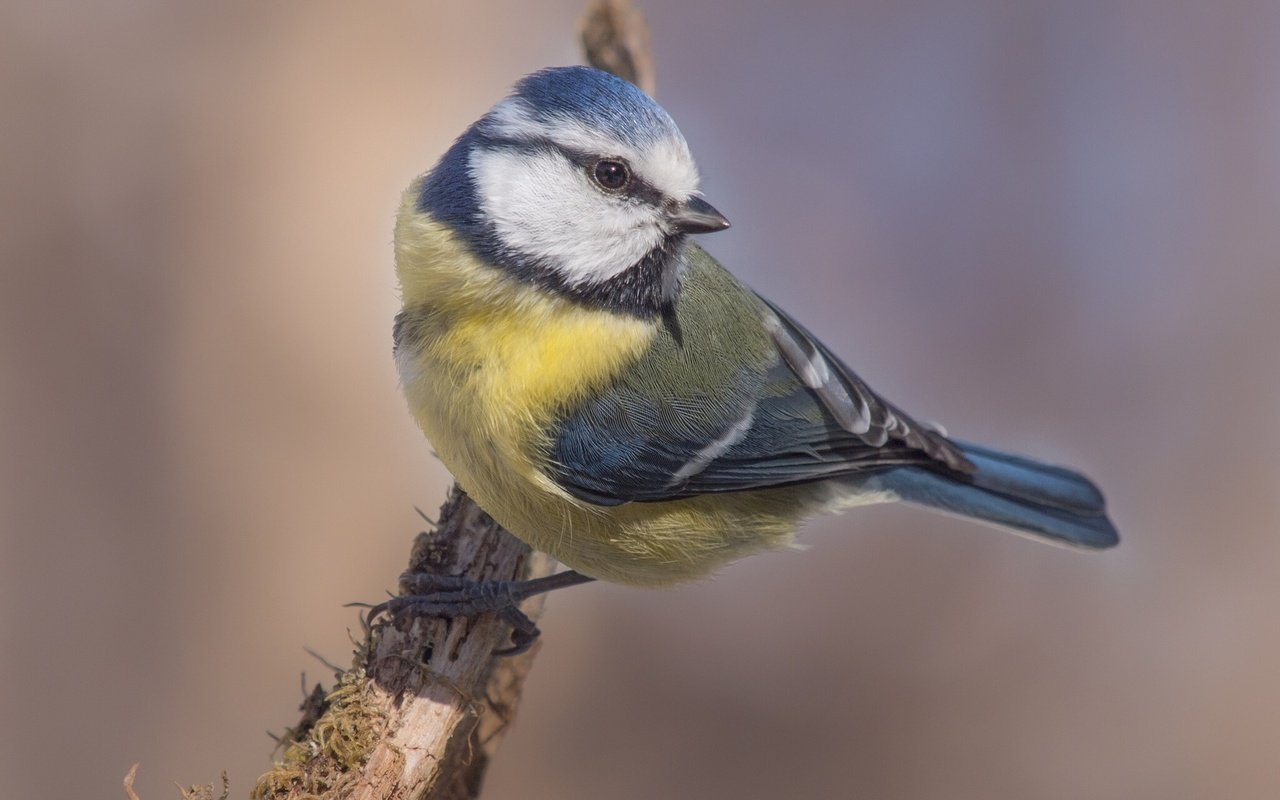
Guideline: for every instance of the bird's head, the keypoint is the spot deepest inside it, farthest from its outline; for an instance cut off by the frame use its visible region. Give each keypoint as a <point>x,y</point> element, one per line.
<point>579,182</point>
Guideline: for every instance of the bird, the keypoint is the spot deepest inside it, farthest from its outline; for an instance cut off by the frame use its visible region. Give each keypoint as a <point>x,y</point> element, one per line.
<point>611,395</point>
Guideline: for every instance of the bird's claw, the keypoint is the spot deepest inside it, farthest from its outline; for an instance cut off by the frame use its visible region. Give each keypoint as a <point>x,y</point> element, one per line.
<point>452,596</point>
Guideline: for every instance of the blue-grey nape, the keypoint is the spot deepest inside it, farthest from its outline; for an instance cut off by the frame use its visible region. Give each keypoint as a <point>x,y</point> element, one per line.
<point>598,100</point>
<point>448,193</point>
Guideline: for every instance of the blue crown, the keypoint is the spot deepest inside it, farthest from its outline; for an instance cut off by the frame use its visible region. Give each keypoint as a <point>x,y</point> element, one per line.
<point>598,100</point>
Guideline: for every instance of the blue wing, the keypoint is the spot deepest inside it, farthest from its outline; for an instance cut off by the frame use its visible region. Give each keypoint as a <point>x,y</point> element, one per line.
<point>711,410</point>
<point>790,414</point>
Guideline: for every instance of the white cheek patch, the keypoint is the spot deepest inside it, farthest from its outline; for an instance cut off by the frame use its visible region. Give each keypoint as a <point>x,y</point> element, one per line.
<point>544,206</point>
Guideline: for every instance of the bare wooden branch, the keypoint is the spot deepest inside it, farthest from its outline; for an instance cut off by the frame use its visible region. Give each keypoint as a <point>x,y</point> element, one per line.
<point>615,38</point>
<point>423,709</point>
<point>128,783</point>
<point>446,697</point>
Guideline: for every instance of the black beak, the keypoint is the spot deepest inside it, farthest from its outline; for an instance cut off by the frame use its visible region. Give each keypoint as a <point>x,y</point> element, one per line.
<point>696,215</point>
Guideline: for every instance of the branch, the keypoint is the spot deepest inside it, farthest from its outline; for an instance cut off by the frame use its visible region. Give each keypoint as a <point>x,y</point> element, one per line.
<point>423,709</point>
<point>615,38</point>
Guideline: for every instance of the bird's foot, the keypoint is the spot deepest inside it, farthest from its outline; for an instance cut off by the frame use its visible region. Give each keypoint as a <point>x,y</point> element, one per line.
<point>426,594</point>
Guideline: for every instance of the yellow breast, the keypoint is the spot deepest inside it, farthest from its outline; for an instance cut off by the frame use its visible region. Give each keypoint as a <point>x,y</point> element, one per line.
<point>489,362</point>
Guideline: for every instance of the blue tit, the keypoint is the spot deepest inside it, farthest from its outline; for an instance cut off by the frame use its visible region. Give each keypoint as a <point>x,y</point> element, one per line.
<point>610,394</point>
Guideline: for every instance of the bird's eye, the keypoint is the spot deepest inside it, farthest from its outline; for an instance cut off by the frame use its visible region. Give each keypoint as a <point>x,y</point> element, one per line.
<point>611,174</point>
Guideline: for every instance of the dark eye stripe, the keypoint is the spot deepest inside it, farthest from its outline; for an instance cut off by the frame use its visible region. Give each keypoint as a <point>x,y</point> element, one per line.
<point>639,188</point>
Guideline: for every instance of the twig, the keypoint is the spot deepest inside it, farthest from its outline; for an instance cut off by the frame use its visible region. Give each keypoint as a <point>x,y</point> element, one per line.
<point>128,783</point>
<point>423,708</point>
<point>615,38</point>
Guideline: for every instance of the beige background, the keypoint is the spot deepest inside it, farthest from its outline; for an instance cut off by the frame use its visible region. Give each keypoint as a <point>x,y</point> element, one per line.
<point>1054,226</point>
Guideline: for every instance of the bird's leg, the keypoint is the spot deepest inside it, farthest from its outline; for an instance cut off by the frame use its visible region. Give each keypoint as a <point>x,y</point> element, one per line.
<point>450,596</point>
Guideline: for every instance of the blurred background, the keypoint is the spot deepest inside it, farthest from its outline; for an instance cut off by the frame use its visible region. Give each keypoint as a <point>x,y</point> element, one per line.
<point>1052,226</point>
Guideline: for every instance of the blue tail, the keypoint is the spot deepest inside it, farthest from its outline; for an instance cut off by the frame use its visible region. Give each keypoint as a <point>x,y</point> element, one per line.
<point>1012,492</point>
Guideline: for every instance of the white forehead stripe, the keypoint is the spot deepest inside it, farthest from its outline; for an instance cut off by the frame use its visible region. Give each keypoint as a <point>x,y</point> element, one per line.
<point>514,119</point>
<point>542,205</point>
<point>667,163</point>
